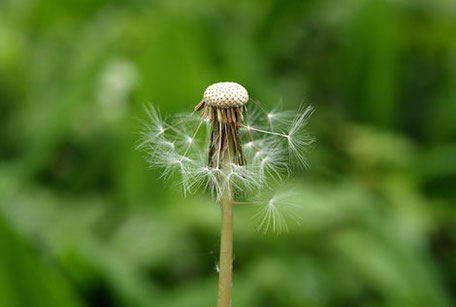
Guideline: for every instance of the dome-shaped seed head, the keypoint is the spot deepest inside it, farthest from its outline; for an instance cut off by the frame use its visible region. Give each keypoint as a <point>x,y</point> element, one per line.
<point>226,95</point>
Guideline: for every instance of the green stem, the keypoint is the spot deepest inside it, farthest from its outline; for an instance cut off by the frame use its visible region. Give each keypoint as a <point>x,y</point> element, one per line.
<point>226,253</point>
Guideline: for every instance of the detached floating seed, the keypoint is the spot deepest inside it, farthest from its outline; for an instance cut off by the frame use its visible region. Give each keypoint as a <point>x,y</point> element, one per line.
<point>224,103</point>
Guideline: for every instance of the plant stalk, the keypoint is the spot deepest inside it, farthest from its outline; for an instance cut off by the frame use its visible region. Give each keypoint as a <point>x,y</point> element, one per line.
<point>226,253</point>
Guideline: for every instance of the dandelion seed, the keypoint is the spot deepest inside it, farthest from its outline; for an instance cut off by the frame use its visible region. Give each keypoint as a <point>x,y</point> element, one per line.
<point>299,140</point>
<point>274,213</point>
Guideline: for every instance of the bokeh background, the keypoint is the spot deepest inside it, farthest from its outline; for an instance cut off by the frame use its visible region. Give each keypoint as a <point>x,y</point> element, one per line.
<point>84,222</point>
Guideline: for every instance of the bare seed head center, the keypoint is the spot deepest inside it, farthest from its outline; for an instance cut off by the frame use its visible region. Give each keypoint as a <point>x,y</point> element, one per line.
<point>224,102</point>
<point>226,95</point>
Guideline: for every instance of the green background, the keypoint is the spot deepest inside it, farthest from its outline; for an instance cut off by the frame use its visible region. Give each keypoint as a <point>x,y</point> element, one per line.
<point>84,222</point>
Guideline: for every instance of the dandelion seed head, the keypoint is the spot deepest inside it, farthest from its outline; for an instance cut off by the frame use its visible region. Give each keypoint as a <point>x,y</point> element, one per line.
<point>250,154</point>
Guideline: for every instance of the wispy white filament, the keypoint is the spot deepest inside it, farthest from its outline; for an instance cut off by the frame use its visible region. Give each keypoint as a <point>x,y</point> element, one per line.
<point>271,142</point>
<point>275,212</point>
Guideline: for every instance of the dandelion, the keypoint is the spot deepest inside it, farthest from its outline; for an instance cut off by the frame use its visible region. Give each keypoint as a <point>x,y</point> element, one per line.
<point>246,151</point>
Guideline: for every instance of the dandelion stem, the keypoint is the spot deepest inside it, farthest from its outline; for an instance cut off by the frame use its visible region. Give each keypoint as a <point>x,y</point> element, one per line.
<point>226,252</point>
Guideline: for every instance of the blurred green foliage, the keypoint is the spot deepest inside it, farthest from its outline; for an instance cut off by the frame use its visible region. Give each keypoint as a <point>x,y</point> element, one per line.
<point>83,222</point>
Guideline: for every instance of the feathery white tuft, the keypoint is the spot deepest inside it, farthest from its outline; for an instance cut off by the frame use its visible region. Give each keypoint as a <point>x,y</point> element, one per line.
<point>298,139</point>
<point>276,212</point>
<point>270,141</point>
